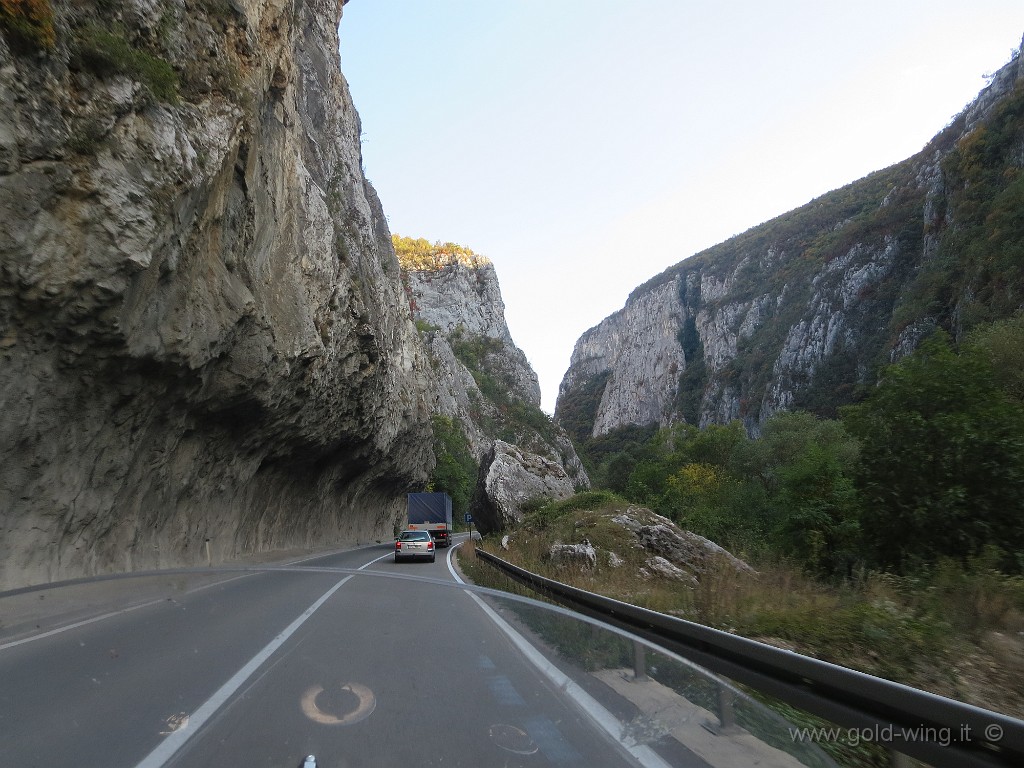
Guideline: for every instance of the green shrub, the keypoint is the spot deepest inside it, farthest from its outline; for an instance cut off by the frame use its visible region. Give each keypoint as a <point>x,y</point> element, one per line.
<point>587,500</point>
<point>942,460</point>
<point>419,255</point>
<point>107,53</point>
<point>424,327</point>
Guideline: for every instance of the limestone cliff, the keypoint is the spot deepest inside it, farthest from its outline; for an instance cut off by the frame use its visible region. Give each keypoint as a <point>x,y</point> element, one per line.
<point>801,311</point>
<point>482,379</point>
<point>203,332</point>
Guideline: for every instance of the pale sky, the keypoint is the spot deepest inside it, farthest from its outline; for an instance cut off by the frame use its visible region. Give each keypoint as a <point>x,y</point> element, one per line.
<point>584,146</point>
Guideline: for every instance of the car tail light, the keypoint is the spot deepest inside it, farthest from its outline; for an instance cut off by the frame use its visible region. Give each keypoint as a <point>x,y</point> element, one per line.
<point>430,545</point>
<point>398,545</point>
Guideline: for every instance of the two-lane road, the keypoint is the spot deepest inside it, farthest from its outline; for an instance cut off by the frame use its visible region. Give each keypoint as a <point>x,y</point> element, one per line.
<point>357,669</point>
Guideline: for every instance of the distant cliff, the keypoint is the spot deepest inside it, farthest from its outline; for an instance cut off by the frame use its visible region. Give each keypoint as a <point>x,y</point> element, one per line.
<point>483,381</point>
<point>800,312</point>
<point>203,331</point>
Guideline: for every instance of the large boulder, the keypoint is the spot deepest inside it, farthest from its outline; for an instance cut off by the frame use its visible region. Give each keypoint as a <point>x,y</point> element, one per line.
<point>658,566</point>
<point>677,553</point>
<point>509,478</point>
<point>580,556</point>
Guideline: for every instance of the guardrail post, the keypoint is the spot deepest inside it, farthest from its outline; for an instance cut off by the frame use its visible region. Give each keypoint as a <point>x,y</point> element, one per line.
<point>639,661</point>
<point>726,713</point>
<point>726,709</point>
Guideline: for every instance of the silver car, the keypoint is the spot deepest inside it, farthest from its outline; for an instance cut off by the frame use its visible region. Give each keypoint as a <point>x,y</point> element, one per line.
<point>413,544</point>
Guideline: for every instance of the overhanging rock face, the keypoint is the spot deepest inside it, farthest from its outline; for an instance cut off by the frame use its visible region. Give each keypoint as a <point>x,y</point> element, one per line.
<point>510,478</point>
<point>203,333</point>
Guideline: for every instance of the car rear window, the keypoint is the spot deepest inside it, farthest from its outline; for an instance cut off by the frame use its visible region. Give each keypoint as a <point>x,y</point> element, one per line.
<point>415,536</point>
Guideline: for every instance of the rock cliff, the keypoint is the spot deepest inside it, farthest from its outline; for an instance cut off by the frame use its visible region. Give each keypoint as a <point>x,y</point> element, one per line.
<point>460,300</point>
<point>801,311</point>
<point>483,381</point>
<point>203,333</point>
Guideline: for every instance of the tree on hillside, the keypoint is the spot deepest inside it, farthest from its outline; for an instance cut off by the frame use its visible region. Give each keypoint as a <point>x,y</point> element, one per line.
<point>455,470</point>
<point>807,466</point>
<point>942,459</point>
<point>1002,344</point>
<point>687,474</point>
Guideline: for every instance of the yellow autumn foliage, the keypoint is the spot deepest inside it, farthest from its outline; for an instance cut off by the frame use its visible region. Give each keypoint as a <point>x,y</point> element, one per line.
<point>420,255</point>
<point>696,480</point>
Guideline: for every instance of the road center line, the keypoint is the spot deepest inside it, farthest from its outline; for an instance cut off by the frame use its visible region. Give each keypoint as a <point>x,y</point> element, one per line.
<point>176,740</point>
<point>590,706</point>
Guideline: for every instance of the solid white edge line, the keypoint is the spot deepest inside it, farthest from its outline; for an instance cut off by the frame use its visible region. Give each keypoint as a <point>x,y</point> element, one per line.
<point>604,719</point>
<point>176,740</point>
<point>111,614</point>
<point>77,624</point>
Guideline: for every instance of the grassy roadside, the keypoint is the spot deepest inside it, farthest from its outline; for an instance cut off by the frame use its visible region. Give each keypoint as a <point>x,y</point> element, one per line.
<point>955,629</point>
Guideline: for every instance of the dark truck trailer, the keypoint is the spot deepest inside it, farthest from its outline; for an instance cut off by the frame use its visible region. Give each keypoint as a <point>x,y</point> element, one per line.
<point>432,512</point>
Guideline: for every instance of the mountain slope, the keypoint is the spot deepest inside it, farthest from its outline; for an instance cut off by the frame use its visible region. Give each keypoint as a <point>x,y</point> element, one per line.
<point>799,312</point>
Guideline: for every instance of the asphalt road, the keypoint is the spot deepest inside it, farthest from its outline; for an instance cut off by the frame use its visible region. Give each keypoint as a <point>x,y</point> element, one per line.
<point>264,669</point>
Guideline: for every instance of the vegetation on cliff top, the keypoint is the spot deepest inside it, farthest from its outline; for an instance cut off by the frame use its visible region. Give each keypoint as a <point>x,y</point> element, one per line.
<point>420,255</point>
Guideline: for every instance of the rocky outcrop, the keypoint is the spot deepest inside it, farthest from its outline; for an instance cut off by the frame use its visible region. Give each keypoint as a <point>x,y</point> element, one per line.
<point>801,311</point>
<point>659,567</point>
<point>677,553</point>
<point>632,538</point>
<point>463,301</point>
<point>510,478</point>
<point>203,333</point>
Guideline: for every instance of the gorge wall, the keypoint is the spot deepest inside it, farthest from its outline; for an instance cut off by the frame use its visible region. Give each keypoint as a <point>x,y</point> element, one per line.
<point>203,330</point>
<point>799,312</point>
<point>485,384</point>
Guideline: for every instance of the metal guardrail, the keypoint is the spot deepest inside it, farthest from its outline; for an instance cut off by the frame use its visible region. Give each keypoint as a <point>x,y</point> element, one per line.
<point>932,728</point>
